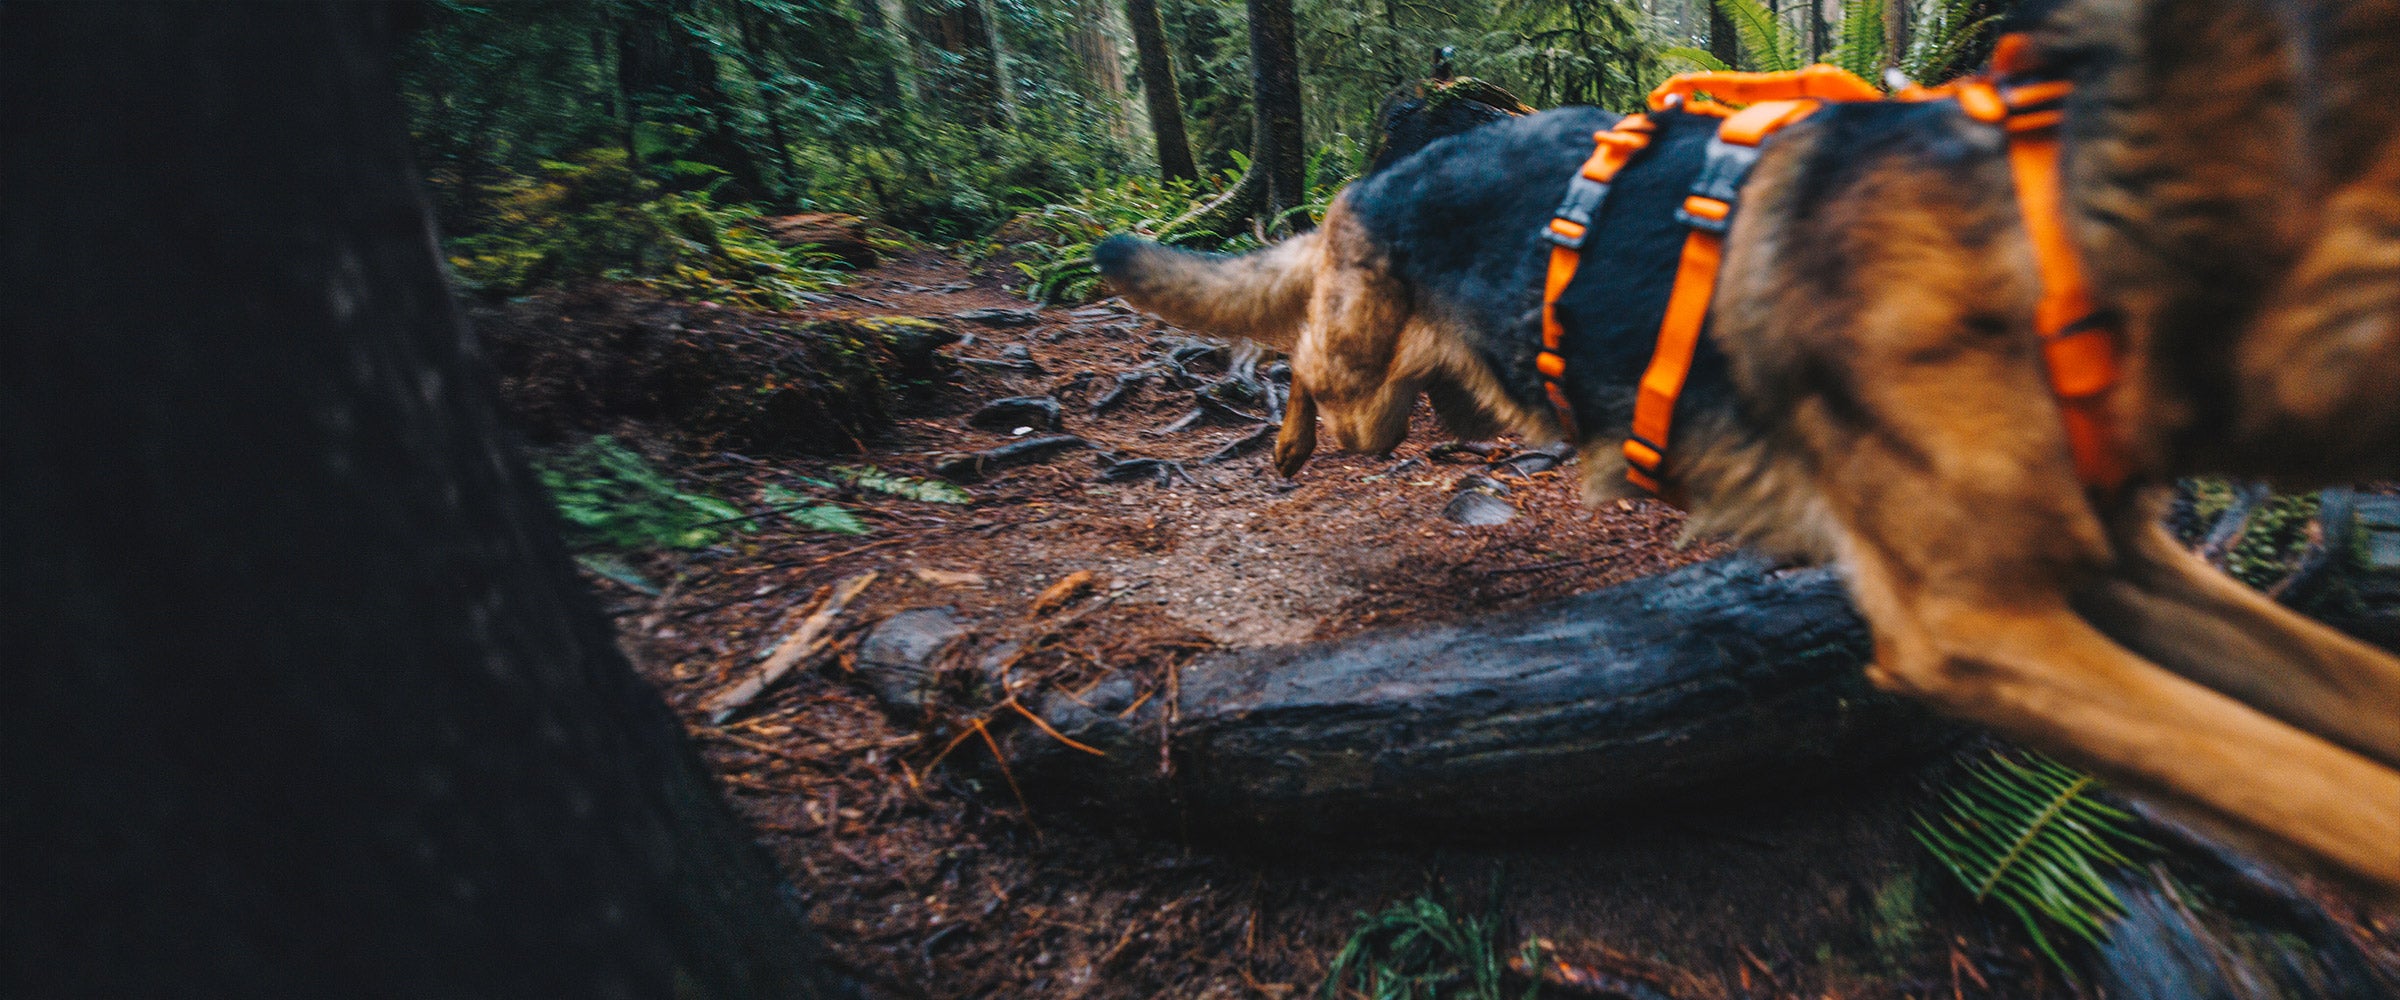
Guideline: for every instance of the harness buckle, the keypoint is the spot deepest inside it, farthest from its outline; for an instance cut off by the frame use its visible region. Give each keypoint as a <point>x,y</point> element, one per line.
<point>1722,170</point>
<point>1582,204</point>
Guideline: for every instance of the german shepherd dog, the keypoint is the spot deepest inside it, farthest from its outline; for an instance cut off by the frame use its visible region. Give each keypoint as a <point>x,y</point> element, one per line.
<point>1876,394</point>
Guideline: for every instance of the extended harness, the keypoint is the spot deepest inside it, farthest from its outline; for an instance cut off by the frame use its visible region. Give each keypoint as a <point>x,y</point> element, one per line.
<point>2079,345</point>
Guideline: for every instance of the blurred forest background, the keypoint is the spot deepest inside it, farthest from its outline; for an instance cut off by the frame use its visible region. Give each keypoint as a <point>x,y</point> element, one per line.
<point>638,139</point>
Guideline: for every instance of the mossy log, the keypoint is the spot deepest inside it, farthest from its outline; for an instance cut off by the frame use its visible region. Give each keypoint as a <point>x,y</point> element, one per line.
<point>578,362</point>
<point>1723,678</point>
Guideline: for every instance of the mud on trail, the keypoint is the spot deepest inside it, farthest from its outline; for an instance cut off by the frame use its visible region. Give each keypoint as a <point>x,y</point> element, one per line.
<point>929,877</point>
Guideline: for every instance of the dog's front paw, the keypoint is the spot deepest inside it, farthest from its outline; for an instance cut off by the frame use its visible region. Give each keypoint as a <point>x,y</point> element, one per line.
<point>1292,453</point>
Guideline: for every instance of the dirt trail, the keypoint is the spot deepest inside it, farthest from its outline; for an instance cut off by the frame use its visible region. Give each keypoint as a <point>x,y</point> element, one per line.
<point>929,881</point>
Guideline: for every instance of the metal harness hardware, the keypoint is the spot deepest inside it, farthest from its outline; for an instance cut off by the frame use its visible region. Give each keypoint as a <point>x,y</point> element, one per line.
<point>2079,345</point>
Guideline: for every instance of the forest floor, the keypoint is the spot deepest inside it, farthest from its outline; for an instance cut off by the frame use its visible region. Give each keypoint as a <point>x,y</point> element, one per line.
<point>928,878</point>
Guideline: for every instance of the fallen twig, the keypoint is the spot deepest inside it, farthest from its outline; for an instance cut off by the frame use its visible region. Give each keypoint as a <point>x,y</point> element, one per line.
<point>807,640</point>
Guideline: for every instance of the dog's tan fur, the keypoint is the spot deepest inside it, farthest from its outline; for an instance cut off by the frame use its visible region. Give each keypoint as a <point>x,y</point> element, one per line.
<point>2235,171</point>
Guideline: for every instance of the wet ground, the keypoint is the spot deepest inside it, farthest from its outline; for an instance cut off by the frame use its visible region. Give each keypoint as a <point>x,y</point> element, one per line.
<point>928,877</point>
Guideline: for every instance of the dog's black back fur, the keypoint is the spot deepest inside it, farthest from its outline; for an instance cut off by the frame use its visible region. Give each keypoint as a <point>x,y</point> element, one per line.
<point>1462,221</point>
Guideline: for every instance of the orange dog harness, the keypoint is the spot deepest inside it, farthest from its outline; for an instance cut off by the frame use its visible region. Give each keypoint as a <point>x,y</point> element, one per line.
<point>2079,346</point>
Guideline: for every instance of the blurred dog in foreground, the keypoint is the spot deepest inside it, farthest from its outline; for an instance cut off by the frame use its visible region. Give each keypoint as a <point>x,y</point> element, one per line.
<point>1872,388</point>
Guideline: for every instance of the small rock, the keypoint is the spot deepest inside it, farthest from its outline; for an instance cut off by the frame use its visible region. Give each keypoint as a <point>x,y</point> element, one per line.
<point>1019,411</point>
<point>1486,484</point>
<point>999,317</point>
<point>1477,509</point>
<point>897,658</point>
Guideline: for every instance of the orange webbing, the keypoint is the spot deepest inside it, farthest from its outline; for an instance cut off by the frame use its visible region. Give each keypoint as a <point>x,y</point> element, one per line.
<point>1611,150</point>
<point>1687,304</point>
<point>1821,82</point>
<point>1671,361</point>
<point>2080,350</point>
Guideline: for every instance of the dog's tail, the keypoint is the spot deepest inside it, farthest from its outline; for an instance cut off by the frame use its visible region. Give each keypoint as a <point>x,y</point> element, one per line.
<point>1261,295</point>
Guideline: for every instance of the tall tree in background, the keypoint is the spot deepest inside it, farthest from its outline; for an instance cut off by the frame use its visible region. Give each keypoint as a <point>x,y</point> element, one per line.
<point>955,50</point>
<point>667,74</point>
<point>1158,91</point>
<point>1275,92</point>
<point>1723,43</point>
<point>311,700</point>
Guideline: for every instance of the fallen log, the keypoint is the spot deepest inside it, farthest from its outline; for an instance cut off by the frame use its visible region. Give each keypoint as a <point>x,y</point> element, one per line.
<point>1718,679</point>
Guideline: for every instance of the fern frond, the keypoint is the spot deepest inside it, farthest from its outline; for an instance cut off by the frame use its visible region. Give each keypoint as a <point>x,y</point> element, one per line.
<point>1861,47</point>
<point>2027,832</point>
<point>1766,47</point>
<point>1699,59</point>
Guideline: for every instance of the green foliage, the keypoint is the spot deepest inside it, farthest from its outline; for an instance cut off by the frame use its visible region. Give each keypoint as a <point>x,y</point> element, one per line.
<point>868,477</point>
<point>611,497</point>
<point>1861,49</point>
<point>1057,239</point>
<point>809,512</point>
<point>1420,950</point>
<point>1945,36</point>
<point>587,217</point>
<point>2276,536</point>
<point>2026,831</point>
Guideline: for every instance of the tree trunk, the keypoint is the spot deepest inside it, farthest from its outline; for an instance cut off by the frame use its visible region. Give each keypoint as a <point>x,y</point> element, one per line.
<point>1158,90</point>
<point>1723,42</point>
<point>1718,679</point>
<point>662,67</point>
<point>889,85</point>
<point>1280,146</point>
<point>308,700</point>
<point>1816,31</point>
<point>961,66</point>
<point>1895,32</point>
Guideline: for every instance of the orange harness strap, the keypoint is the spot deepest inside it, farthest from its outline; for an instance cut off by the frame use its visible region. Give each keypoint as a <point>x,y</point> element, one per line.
<point>1568,227</point>
<point>1709,213</point>
<point>1775,100</point>
<point>2080,345</point>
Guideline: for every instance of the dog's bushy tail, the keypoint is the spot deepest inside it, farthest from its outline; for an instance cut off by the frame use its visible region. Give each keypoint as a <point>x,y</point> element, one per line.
<point>1261,295</point>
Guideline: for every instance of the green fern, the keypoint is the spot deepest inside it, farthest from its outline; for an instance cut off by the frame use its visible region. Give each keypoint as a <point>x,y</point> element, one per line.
<point>868,477</point>
<point>611,497</point>
<point>809,512</point>
<point>1861,48</point>
<point>1420,950</point>
<point>1766,46</point>
<point>1699,59</point>
<point>1943,34</point>
<point>2026,831</point>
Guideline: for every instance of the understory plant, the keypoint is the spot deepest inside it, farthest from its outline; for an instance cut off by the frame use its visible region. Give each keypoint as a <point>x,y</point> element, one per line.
<point>1943,35</point>
<point>1422,950</point>
<point>587,217</point>
<point>613,498</point>
<point>2030,833</point>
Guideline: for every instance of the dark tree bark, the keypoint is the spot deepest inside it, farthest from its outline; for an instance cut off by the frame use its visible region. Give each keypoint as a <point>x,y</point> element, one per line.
<point>666,73</point>
<point>964,71</point>
<point>1725,678</point>
<point>1895,33</point>
<point>1158,90</point>
<point>1280,148</point>
<point>1723,42</point>
<point>305,698</point>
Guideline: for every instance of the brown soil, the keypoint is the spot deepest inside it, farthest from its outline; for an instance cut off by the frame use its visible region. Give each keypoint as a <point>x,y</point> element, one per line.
<point>928,878</point>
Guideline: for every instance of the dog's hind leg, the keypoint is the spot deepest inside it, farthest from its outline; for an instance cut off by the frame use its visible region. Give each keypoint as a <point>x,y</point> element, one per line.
<point>2165,604</point>
<point>1296,440</point>
<point>2035,671</point>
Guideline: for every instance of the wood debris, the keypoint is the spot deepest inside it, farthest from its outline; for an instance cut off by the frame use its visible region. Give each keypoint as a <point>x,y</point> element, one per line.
<point>810,638</point>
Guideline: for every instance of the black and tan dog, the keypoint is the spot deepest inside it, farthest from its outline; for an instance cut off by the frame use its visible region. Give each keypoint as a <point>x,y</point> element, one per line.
<point>1876,394</point>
